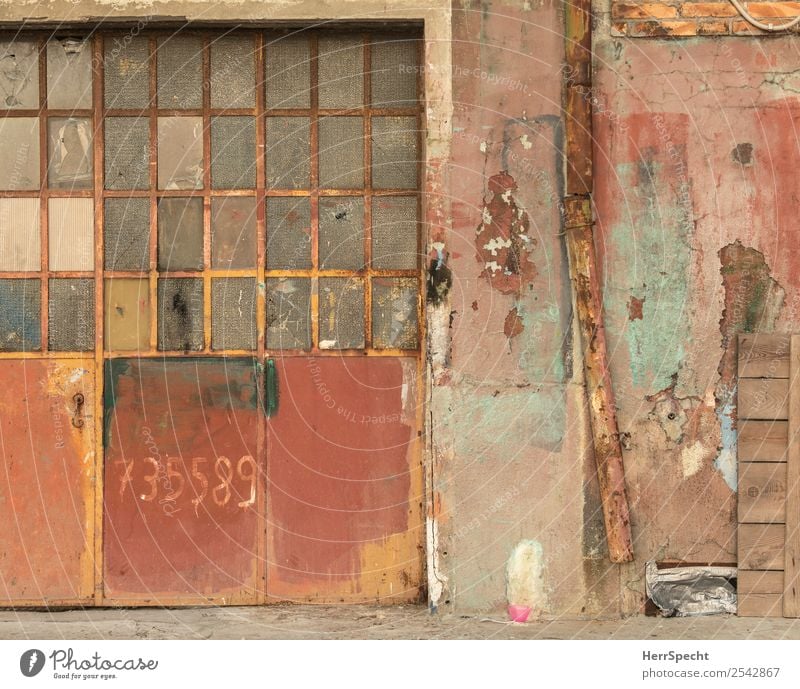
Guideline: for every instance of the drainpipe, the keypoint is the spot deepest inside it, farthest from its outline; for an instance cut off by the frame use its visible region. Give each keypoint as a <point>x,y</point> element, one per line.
<point>579,227</point>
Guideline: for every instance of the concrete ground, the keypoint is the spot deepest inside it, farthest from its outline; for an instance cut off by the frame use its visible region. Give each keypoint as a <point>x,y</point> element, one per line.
<point>361,622</point>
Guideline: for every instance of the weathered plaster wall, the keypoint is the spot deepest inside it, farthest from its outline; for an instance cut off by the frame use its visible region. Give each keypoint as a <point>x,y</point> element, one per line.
<point>696,157</point>
<point>518,510</point>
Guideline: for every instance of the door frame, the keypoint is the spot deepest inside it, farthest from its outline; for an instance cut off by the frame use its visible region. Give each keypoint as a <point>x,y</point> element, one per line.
<point>436,95</point>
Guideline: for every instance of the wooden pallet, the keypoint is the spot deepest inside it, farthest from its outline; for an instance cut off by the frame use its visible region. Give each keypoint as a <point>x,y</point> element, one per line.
<point>769,475</point>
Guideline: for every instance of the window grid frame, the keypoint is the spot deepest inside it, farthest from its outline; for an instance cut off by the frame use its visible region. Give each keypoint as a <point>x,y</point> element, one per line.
<point>260,273</point>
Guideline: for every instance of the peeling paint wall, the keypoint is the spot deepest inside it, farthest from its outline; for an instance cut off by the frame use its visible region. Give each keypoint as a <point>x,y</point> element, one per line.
<point>695,146</point>
<point>509,407</point>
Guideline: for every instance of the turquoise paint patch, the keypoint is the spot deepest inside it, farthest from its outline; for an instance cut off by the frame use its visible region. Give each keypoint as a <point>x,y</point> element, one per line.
<point>485,425</point>
<point>725,463</point>
<point>650,260</point>
<point>542,356</point>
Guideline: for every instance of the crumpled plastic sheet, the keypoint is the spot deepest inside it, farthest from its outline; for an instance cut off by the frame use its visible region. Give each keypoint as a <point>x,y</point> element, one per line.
<point>690,591</point>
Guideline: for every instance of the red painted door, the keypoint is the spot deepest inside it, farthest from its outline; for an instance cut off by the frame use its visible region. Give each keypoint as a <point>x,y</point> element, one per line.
<point>344,481</point>
<point>181,481</point>
<point>46,484</point>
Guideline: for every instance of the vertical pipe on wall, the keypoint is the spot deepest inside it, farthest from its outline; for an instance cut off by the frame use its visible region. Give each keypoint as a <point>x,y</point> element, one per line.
<point>576,99</point>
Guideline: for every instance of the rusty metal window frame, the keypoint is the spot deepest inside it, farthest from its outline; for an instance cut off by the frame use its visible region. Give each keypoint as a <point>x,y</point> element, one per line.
<point>99,194</point>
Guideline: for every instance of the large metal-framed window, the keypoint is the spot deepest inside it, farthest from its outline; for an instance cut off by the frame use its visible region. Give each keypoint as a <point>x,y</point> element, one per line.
<point>217,193</point>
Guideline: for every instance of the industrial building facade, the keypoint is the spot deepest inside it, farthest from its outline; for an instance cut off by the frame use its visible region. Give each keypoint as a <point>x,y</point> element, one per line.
<point>386,302</point>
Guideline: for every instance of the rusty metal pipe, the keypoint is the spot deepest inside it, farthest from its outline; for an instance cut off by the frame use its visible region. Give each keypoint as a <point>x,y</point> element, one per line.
<point>577,104</point>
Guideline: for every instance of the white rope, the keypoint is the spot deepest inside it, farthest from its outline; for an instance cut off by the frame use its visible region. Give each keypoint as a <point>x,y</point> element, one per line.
<point>761,25</point>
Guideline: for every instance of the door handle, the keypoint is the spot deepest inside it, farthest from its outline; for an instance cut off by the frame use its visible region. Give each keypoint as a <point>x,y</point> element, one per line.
<point>77,416</point>
<point>271,388</point>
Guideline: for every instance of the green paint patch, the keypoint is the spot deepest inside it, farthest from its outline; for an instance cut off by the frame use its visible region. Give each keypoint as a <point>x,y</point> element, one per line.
<point>650,263</point>
<point>488,423</point>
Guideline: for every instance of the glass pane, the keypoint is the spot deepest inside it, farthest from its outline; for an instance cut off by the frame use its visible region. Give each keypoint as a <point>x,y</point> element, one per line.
<point>20,244</point>
<point>70,228</point>
<point>180,72</point>
<point>341,72</point>
<point>19,75</point>
<point>395,71</point>
<point>19,145</point>
<point>180,233</point>
<point>20,315</point>
<point>341,232</point>
<point>126,72</point>
<point>395,232</point>
<point>233,313</point>
<point>180,314</point>
<point>126,227</point>
<point>71,315</point>
<point>341,313</point>
<point>288,153</point>
<point>69,73</point>
<point>394,153</point>
<point>287,73</point>
<point>180,152</point>
<point>126,310</point>
<point>288,233</point>
<point>233,153</point>
<point>127,153</point>
<point>70,153</point>
<point>394,313</point>
<point>233,72</point>
<point>288,313</point>
<point>233,232</point>
<point>341,153</point>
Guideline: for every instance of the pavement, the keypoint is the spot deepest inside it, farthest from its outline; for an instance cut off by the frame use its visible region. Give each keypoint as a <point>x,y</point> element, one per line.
<point>364,622</point>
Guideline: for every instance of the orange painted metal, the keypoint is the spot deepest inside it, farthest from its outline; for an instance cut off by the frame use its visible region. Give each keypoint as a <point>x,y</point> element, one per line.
<point>46,487</point>
<point>344,482</point>
<point>181,480</point>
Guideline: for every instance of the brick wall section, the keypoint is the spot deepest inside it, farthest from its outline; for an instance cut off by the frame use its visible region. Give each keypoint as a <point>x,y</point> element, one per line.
<point>688,18</point>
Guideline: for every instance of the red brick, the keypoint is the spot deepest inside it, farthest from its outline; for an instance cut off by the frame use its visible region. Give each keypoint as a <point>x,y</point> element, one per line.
<point>663,28</point>
<point>713,28</point>
<point>646,10</point>
<point>708,9</point>
<point>773,9</point>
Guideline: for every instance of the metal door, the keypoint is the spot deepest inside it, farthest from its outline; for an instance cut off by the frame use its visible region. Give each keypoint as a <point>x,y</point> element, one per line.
<point>47,486</point>
<point>191,218</point>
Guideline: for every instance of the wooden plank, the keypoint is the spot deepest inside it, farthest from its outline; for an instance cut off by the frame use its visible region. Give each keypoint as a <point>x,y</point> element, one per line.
<point>763,441</point>
<point>764,355</point>
<point>762,493</point>
<point>759,605</point>
<point>791,585</point>
<point>761,546</point>
<point>763,398</point>
<point>759,582</point>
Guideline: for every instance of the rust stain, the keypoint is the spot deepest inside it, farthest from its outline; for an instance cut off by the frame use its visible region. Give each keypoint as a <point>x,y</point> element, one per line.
<point>503,242</point>
<point>753,301</point>
<point>513,325</point>
<point>635,306</point>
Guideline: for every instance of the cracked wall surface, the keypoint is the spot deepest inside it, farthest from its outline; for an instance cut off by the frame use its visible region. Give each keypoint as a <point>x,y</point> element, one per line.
<point>695,219</point>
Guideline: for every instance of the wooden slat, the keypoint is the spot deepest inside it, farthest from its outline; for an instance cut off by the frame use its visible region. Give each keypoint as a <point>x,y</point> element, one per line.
<point>759,582</point>
<point>763,398</point>
<point>759,605</point>
<point>763,441</point>
<point>762,493</point>
<point>761,546</point>
<point>764,355</point>
<point>791,586</point>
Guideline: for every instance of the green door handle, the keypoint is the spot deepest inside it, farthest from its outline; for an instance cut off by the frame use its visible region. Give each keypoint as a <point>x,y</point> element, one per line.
<point>271,388</point>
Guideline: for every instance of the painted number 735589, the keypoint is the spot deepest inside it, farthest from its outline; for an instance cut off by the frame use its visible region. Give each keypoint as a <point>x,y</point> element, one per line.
<point>197,480</point>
